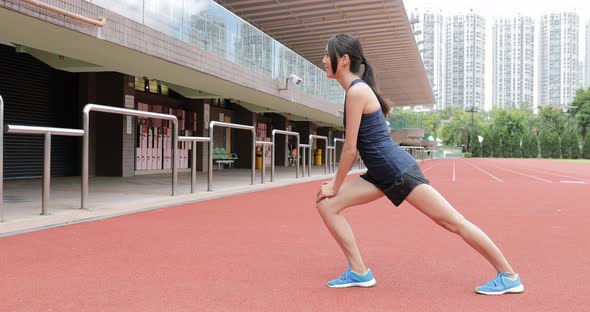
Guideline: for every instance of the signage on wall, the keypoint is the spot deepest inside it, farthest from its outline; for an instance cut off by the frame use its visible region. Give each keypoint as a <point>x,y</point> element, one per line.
<point>129,101</point>
<point>221,117</point>
<point>206,115</point>
<point>129,123</point>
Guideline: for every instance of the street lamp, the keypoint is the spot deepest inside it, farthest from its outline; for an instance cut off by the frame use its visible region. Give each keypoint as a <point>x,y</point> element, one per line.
<point>480,139</point>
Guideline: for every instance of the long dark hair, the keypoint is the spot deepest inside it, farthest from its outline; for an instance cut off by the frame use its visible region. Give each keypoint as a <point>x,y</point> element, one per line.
<point>342,44</point>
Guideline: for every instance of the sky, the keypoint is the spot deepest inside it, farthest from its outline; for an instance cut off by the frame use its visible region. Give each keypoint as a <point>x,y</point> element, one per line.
<point>500,8</point>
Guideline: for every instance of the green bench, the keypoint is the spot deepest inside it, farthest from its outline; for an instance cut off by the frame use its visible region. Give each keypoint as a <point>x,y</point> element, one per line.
<point>221,157</point>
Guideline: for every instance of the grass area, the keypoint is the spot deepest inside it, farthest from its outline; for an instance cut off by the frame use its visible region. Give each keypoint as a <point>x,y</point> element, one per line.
<point>576,161</point>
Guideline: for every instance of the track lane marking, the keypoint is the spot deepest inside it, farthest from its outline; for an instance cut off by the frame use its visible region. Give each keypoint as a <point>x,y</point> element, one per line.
<point>491,175</point>
<point>430,168</point>
<point>526,175</point>
<point>557,175</point>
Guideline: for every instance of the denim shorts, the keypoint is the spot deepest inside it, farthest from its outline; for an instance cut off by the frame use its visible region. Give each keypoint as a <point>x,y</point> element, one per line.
<point>398,188</point>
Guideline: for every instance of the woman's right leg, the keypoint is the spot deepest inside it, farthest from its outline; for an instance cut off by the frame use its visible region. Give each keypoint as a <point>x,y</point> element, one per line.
<point>353,192</point>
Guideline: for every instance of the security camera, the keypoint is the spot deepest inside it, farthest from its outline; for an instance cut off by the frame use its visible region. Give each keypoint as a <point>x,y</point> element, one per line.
<point>295,79</point>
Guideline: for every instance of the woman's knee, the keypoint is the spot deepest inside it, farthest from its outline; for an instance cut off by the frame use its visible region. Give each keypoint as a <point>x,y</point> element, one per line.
<point>325,208</point>
<point>454,224</point>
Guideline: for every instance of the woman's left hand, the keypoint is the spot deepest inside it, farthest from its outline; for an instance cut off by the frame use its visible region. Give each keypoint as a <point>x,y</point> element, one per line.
<point>326,191</point>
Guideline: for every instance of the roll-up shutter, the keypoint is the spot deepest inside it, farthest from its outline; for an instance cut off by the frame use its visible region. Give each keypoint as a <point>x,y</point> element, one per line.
<point>37,95</point>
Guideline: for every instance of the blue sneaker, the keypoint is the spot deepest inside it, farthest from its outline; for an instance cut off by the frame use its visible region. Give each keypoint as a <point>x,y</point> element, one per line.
<point>501,285</point>
<point>353,279</point>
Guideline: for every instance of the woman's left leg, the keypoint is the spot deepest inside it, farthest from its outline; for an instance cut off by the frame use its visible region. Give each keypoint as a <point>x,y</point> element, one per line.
<point>431,203</point>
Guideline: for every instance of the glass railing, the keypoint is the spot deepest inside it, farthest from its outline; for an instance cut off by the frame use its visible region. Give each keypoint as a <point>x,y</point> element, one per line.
<point>212,28</point>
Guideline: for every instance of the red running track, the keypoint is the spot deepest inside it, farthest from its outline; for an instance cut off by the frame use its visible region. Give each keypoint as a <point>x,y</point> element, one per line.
<point>269,251</point>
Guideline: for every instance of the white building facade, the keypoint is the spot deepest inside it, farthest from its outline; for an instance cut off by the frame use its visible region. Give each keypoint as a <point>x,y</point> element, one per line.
<point>464,61</point>
<point>429,32</point>
<point>587,60</point>
<point>513,62</point>
<point>558,59</point>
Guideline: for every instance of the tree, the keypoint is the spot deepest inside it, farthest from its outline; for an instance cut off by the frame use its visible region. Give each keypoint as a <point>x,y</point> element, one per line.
<point>497,146</point>
<point>553,120</point>
<point>432,123</point>
<point>581,109</point>
<point>575,145</point>
<point>586,148</point>
<point>507,146</point>
<point>566,146</point>
<point>486,144</point>
<point>527,147</point>
<point>457,129</point>
<point>554,146</point>
<point>475,146</point>
<point>516,147</point>
<point>545,141</point>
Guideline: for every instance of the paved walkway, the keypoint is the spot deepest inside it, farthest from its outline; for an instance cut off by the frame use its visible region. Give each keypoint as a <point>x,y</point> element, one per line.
<point>112,196</point>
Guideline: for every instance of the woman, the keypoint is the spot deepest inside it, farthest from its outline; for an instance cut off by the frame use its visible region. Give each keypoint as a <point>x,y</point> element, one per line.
<point>390,171</point>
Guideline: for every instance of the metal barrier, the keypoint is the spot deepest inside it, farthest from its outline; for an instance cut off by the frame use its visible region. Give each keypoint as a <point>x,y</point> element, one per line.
<point>331,156</point>
<point>194,141</point>
<point>336,140</point>
<point>272,166</point>
<point>128,112</point>
<point>317,137</point>
<point>47,132</point>
<point>263,167</point>
<point>235,126</point>
<point>303,148</point>
<point>415,151</point>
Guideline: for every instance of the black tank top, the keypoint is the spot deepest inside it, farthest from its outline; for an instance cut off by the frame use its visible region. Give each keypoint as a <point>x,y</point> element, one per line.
<point>383,157</point>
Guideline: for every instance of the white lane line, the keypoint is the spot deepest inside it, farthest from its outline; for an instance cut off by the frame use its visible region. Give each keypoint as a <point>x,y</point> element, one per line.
<point>526,175</point>
<point>555,174</point>
<point>430,168</point>
<point>453,170</point>
<point>574,182</point>
<point>491,175</point>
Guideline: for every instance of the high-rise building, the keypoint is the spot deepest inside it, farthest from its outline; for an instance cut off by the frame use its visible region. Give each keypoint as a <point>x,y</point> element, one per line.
<point>428,31</point>
<point>464,64</point>
<point>558,58</point>
<point>587,60</point>
<point>513,62</point>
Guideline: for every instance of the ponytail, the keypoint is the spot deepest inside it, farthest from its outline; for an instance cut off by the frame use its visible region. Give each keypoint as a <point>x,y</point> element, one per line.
<point>369,78</point>
<point>342,44</point>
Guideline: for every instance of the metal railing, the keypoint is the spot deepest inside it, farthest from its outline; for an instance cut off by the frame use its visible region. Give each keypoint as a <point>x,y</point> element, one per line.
<point>47,132</point>
<point>316,137</point>
<point>330,156</point>
<point>336,140</point>
<point>303,148</point>
<point>415,151</point>
<point>212,124</point>
<point>263,166</point>
<point>272,166</point>
<point>98,23</point>
<point>194,141</point>
<point>128,112</point>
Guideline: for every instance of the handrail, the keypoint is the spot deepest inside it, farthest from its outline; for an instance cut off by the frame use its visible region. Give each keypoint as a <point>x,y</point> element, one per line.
<point>194,141</point>
<point>303,148</point>
<point>47,132</point>
<point>336,140</point>
<point>98,23</point>
<point>263,168</point>
<point>212,124</point>
<point>129,112</point>
<point>272,166</point>
<point>317,137</point>
<point>42,130</point>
